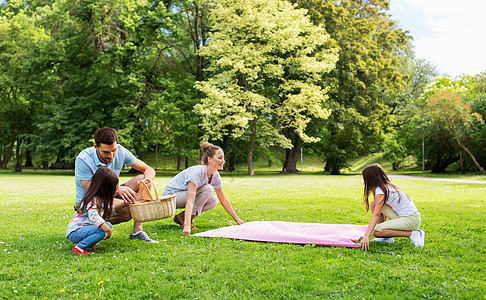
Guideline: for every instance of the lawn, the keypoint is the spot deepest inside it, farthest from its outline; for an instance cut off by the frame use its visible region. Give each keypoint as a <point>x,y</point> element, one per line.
<point>36,262</point>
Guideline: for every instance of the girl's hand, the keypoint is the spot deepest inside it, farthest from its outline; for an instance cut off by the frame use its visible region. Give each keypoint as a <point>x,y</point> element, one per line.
<point>365,243</point>
<point>239,221</point>
<point>108,233</point>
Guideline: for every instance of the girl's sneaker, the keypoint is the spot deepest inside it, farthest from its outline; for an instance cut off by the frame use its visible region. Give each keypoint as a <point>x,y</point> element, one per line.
<point>418,238</point>
<point>386,240</point>
<point>78,250</point>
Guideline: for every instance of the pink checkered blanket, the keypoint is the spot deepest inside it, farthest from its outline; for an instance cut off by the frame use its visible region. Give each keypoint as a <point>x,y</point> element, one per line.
<point>339,235</point>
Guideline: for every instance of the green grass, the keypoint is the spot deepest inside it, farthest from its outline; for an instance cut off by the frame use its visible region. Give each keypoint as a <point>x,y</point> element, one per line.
<point>36,262</point>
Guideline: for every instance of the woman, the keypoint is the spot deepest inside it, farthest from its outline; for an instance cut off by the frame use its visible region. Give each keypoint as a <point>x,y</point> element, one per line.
<point>193,188</point>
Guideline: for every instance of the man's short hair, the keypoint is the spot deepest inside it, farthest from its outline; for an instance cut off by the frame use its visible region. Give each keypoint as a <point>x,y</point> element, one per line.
<point>105,135</point>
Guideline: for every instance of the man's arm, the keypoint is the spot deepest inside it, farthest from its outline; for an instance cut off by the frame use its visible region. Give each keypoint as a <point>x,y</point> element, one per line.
<point>85,184</point>
<point>148,171</point>
<point>83,172</point>
<point>128,192</point>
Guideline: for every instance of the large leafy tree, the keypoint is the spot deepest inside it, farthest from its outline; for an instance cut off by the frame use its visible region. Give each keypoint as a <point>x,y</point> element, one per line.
<point>183,30</point>
<point>476,98</point>
<point>106,73</point>
<point>23,86</point>
<point>446,113</point>
<point>371,45</point>
<point>405,110</point>
<point>267,60</point>
<point>450,121</point>
<point>131,65</point>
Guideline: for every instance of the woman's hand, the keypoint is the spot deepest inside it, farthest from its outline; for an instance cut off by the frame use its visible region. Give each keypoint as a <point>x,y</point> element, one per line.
<point>227,205</point>
<point>365,243</point>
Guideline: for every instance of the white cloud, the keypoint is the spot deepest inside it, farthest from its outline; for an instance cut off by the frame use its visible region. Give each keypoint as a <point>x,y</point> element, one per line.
<point>458,29</point>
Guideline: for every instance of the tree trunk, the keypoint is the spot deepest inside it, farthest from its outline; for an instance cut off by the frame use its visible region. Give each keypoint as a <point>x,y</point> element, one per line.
<point>198,34</point>
<point>291,158</point>
<point>187,161</point>
<point>18,153</point>
<point>230,164</point>
<point>441,162</point>
<point>333,165</point>
<point>471,155</point>
<point>252,147</point>
<point>291,155</point>
<point>179,162</point>
<point>28,159</point>
<point>462,161</point>
<point>8,155</point>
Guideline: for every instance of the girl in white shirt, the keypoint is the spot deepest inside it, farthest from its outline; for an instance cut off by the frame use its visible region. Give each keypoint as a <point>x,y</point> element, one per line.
<point>392,203</point>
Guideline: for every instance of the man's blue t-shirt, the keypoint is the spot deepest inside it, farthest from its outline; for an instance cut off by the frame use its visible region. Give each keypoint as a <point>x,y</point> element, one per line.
<point>88,162</point>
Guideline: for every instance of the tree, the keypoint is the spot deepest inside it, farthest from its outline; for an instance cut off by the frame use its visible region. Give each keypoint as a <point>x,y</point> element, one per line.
<point>476,98</point>
<point>23,88</point>
<point>371,45</point>
<point>446,115</point>
<point>402,138</point>
<point>105,70</point>
<point>267,60</point>
<point>180,66</point>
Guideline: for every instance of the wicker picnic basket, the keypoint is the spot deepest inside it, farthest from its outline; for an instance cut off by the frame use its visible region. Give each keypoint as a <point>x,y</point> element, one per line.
<point>146,208</point>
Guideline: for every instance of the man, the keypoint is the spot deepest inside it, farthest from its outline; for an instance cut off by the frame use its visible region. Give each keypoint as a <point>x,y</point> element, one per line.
<point>107,153</point>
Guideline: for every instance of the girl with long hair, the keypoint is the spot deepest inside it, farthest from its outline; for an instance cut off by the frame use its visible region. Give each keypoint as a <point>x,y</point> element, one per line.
<point>392,203</point>
<point>88,226</point>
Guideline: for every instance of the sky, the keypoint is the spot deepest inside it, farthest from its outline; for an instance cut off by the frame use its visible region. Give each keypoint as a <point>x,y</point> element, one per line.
<point>450,34</point>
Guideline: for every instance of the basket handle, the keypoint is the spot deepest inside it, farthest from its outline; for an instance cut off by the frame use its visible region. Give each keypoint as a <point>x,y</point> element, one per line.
<point>144,182</point>
<point>155,190</point>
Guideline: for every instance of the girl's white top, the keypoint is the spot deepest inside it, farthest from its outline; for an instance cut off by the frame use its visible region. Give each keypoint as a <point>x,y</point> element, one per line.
<point>398,201</point>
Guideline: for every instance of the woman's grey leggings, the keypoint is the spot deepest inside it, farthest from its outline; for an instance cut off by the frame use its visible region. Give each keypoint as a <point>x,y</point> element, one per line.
<point>205,200</point>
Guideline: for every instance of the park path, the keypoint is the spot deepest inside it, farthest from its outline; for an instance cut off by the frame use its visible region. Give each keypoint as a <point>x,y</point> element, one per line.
<point>437,179</point>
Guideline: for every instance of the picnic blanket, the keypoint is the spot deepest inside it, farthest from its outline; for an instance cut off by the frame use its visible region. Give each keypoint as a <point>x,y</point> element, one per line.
<point>339,235</point>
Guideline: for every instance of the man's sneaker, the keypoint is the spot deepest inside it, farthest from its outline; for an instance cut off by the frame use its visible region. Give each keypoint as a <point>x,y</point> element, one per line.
<point>386,240</point>
<point>79,251</point>
<point>418,238</point>
<point>142,236</point>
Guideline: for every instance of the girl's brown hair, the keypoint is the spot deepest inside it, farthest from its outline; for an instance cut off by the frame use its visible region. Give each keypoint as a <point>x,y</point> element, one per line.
<point>208,150</point>
<point>374,176</point>
<point>102,188</point>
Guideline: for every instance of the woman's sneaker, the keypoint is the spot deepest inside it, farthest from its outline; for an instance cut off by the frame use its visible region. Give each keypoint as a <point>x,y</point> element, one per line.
<point>418,238</point>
